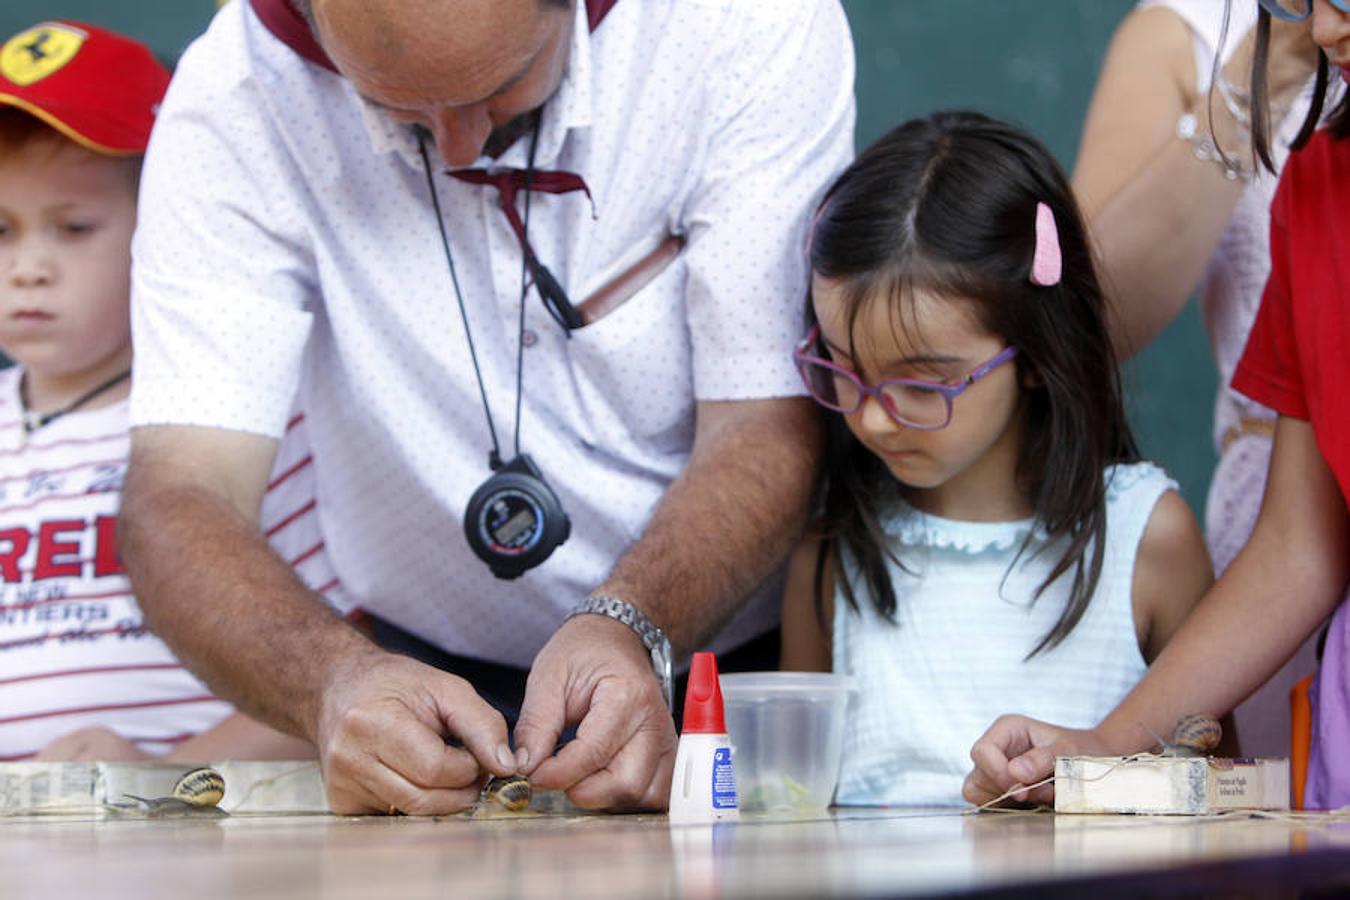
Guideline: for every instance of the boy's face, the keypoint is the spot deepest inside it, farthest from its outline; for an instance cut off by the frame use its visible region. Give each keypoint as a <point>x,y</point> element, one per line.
<point>66,218</point>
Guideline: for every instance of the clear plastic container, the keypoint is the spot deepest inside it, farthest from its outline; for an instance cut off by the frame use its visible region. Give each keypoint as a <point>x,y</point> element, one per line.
<point>787,735</point>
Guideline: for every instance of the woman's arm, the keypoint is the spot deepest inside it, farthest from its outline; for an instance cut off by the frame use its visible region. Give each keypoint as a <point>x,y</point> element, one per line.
<point>1151,205</point>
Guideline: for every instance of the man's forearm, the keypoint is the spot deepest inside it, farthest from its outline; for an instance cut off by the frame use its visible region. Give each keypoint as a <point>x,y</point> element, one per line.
<point>229,607</point>
<point>728,520</point>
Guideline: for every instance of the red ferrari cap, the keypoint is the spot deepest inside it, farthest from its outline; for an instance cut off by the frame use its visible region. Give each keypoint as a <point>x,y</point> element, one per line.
<point>96,87</point>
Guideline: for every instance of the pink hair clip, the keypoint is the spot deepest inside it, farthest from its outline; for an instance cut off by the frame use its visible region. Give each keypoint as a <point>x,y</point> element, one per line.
<point>1046,263</point>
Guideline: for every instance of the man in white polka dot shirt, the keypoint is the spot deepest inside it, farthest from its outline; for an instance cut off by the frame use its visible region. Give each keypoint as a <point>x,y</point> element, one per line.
<point>288,242</point>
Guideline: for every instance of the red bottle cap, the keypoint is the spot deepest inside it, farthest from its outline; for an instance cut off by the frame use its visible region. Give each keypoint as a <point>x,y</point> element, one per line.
<point>703,699</point>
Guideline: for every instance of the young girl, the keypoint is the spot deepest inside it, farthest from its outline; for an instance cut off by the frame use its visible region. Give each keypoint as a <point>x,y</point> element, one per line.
<point>989,539</point>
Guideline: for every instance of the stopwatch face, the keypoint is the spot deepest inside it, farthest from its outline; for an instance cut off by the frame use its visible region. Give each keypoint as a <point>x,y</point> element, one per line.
<point>511,522</point>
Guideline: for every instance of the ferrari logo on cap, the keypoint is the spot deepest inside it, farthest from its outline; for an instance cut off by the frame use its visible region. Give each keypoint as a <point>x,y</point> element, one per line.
<point>38,52</point>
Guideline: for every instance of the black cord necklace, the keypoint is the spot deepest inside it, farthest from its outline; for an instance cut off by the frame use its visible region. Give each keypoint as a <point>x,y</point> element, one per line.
<point>514,520</point>
<point>32,421</point>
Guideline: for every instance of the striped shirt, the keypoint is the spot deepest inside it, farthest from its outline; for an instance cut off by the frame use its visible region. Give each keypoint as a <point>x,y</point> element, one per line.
<point>74,651</point>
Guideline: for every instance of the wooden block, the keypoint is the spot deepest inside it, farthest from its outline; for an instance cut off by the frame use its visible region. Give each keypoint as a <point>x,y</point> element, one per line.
<point>1169,785</point>
<point>100,788</point>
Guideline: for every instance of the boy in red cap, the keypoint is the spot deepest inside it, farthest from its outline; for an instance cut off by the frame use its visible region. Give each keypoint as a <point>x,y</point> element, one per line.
<point>81,676</point>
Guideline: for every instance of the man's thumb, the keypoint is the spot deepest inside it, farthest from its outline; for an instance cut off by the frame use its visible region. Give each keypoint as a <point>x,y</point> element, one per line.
<point>539,725</point>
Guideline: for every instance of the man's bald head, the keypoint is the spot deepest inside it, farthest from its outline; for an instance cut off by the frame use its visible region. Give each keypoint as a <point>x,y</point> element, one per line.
<point>465,70</point>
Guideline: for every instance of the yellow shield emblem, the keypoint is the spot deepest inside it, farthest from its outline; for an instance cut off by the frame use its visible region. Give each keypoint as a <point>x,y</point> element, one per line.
<point>39,51</point>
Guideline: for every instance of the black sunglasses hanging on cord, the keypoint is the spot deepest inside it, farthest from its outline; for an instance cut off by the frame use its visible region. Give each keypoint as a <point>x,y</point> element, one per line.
<point>514,520</point>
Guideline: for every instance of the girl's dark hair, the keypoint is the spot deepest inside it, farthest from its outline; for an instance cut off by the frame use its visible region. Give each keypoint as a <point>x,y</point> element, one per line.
<point>1338,120</point>
<point>947,204</point>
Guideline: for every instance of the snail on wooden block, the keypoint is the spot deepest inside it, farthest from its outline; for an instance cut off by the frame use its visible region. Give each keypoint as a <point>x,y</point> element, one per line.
<point>196,793</point>
<point>1194,735</point>
<point>511,792</point>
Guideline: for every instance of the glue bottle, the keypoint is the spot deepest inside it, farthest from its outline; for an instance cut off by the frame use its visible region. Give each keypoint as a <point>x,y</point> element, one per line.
<point>703,788</point>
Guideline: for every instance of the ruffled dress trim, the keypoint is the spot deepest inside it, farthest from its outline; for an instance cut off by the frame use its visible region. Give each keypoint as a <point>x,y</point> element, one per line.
<point>912,527</point>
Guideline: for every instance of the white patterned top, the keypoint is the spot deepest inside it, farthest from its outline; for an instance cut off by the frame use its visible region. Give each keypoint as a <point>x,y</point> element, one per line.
<point>283,216</point>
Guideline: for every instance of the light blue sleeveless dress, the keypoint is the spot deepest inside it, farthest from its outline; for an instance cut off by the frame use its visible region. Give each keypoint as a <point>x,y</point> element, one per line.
<point>955,659</point>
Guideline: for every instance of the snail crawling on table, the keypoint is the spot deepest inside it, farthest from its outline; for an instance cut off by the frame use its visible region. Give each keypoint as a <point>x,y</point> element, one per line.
<point>1194,735</point>
<point>196,793</point>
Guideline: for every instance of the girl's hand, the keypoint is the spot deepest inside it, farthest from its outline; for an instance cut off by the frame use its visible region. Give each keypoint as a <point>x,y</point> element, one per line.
<point>1016,751</point>
<point>97,743</point>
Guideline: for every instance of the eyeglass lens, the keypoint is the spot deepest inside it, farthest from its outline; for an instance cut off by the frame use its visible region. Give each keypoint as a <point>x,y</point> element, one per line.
<point>911,403</point>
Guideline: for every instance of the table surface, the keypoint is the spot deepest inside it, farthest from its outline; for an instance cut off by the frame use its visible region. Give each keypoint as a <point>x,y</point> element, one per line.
<point>847,852</point>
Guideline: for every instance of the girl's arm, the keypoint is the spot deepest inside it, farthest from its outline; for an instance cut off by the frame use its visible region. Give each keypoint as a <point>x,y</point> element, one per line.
<point>1284,583</point>
<point>1151,205</point>
<point>806,632</point>
<point>1171,573</point>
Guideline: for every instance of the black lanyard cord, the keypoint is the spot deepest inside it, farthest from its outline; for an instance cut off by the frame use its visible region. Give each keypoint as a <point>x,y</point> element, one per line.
<point>495,456</point>
<point>525,260</point>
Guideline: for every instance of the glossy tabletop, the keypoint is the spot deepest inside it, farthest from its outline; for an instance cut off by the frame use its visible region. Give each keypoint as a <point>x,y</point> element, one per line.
<point>848,852</point>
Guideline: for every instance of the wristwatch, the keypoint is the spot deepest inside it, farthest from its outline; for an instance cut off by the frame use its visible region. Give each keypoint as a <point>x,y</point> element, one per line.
<point>653,638</point>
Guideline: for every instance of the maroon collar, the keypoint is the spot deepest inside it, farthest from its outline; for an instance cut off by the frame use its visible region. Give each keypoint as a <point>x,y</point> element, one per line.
<point>289,27</point>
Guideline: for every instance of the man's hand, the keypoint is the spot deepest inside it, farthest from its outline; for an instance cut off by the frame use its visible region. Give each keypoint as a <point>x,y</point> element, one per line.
<point>96,743</point>
<point>1017,750</point>
<point>596,672</point>
<point>381,739</point>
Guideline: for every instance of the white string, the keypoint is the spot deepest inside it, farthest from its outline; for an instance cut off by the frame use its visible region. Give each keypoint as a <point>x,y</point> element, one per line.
<point>268,782</point>
<point>1019,788</point>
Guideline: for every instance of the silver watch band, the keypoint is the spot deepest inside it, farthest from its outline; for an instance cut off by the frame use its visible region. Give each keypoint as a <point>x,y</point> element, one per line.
<point>652,637</point>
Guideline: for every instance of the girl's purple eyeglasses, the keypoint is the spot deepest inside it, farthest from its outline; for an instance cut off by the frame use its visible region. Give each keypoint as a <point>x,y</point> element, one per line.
<point>926,405</point>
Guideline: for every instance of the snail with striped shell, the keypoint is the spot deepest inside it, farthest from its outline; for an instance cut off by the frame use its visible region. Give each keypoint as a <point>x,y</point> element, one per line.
<point>1194,735</point>
<point>196,793</point>
<point>512,792</point>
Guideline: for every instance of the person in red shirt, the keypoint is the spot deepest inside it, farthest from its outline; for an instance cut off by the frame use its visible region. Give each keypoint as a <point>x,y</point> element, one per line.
<point>1292,573</point>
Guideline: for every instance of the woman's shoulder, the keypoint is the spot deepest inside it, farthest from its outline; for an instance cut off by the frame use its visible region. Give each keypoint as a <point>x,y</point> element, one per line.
<point>1205,20</point>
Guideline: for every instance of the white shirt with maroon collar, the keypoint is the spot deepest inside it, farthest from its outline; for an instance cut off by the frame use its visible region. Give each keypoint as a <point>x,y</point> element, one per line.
<point>74,650</point>
<point>286,227</point>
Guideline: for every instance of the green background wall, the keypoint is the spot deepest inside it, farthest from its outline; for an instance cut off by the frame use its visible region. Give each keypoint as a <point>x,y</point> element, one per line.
<point>1031,61</point>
